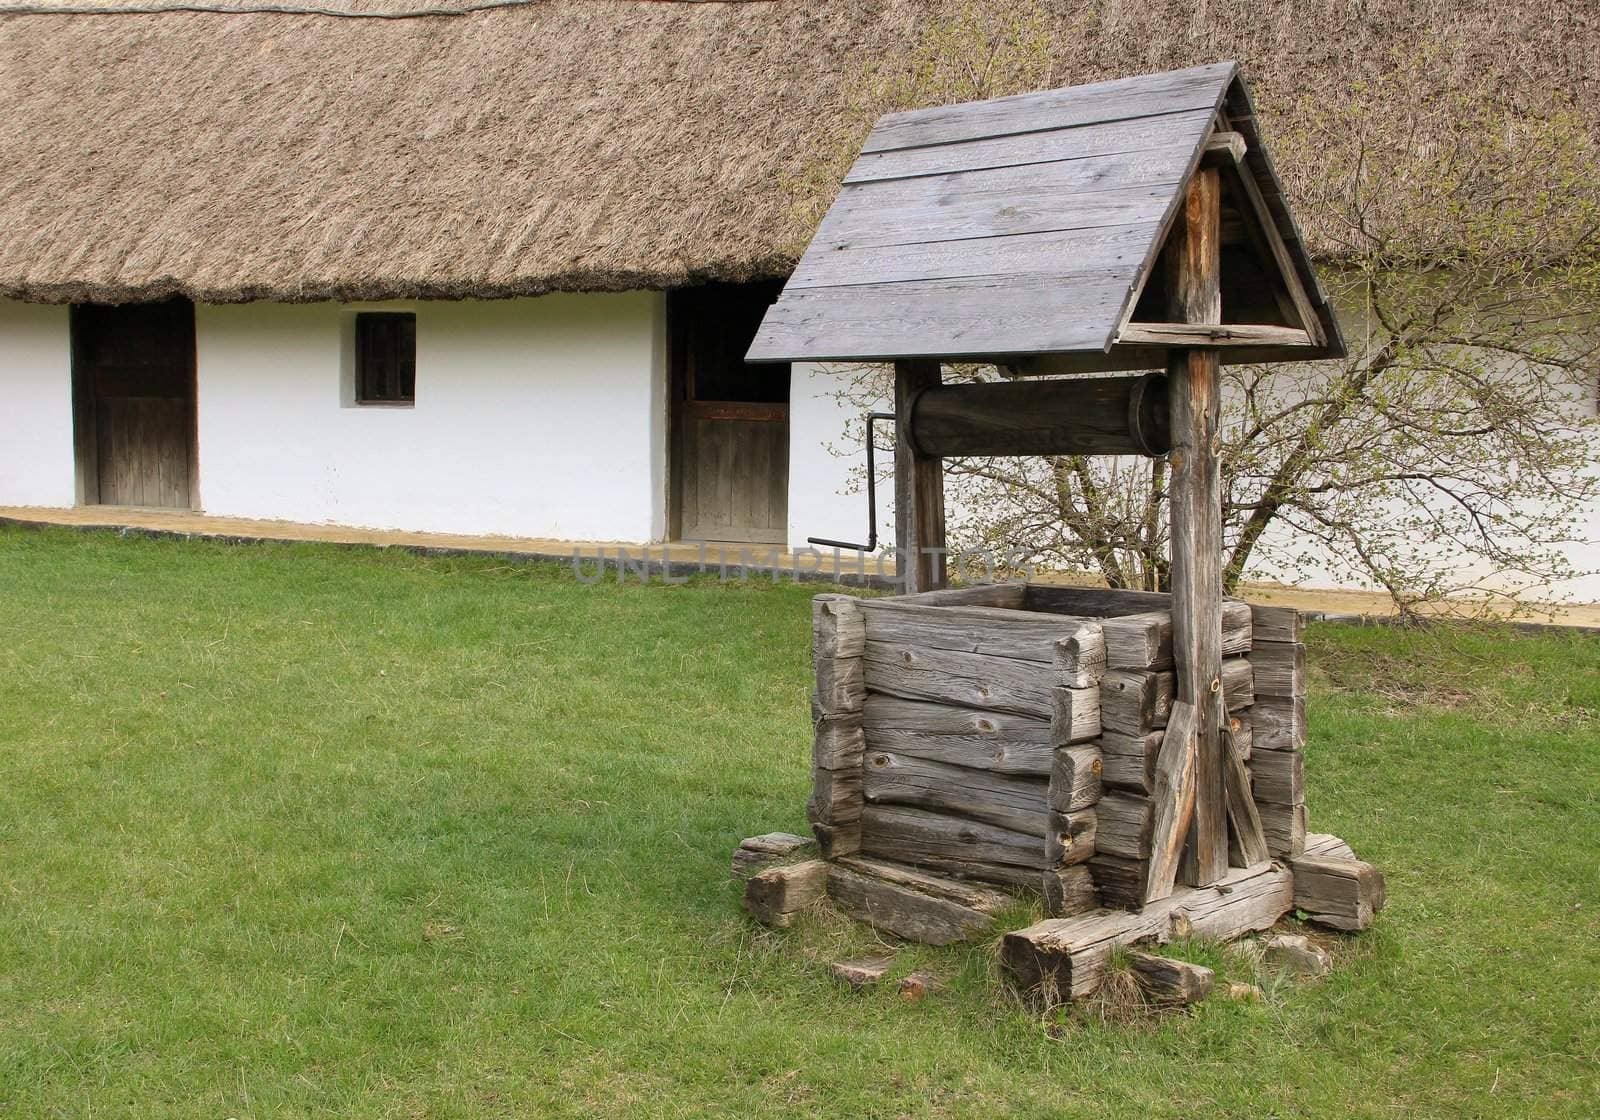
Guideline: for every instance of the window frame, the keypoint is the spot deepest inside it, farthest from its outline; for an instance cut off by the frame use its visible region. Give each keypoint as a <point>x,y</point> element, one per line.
<point>363,375</point>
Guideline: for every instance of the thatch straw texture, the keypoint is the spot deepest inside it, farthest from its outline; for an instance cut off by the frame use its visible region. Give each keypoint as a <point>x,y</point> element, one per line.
<point>561,145</point>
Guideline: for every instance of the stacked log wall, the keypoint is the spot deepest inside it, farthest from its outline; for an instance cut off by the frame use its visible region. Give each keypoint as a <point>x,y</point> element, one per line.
<point>1278,728</point>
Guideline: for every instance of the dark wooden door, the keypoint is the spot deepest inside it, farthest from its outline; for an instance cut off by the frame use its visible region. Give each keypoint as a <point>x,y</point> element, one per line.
<point>133,384</point>
<point>731,419</point>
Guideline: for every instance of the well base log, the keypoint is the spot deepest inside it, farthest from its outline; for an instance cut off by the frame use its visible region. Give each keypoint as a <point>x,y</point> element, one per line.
<point>912,904</point>
<point>1066,958</point>
<point>756,853</point>
<point>1171,982</point>
<point>1338,892</point>
<point>775,896</point>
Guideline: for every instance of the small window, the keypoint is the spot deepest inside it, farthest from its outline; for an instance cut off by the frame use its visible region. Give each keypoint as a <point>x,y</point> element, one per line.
<point>386,357</point>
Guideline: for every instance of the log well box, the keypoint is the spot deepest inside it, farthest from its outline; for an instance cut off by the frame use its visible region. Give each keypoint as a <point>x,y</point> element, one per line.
<point>1007,733</point>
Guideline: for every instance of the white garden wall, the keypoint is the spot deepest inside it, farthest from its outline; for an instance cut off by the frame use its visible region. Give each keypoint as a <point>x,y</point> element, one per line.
<point>534,417</point>
<point>36,451</point>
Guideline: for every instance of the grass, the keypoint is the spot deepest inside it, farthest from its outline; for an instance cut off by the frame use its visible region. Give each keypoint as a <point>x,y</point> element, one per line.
<point>290,830</point>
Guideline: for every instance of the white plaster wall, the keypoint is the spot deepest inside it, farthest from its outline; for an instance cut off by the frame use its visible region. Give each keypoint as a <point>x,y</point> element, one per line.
<point>534,417</point>
<point>37,467</point>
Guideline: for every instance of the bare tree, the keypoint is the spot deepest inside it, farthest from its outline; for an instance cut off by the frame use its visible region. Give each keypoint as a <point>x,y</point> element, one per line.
<point>1455,449</point>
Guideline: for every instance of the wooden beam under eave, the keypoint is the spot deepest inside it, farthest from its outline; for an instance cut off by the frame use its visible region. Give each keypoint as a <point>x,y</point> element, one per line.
<point>1220,335</point>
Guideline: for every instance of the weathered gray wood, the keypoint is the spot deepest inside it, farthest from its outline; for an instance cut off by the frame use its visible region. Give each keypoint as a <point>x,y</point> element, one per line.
<point>1194,295</point>
<point>756,853</point>
<point>1278,624</point>
<point>1123,825</point>
<point>1170,94</point>
<point>1075,779</point>
<point>1280,668</point>
<point>1071,839</point>
<point>910,904</point>
<point>1016,803</point>
<point>1279,723</point>
<point>1098,249</point>
<point>1076,715</point>
<point>1171,982</point>
<point>969,316</point>
<point>969,680</point>
<point>1004,742</point>
<point>1075,646</point>
<point>1243,734</point>
<point>1278,777</point>
<point>1329,845</point>
<point>1284,827</point>
<point>841,686</point>
<point>1227,146</point>
<point>918,485</point>
<point>1132,700</point>
<point>1066,958</point>
<point>1129,761</point>
<point>1009,596</point>
<point>1071,416</point>
<point>1172,798</point>
<point>837,741</point>
<point>916,836</point>
<point>1336,891</point>
<point>835,796</point>
<point>835,840</point>
<point>1247,842</point>
<point>1238,683</point>
<point>1232,334</point>
<point>837,627</point>
<point>861,971</point>
<point>775,896</point>
<point>1238,627</point>
<point>1120,881</point>
<point>1138,641</point>
<point>1069,890</point>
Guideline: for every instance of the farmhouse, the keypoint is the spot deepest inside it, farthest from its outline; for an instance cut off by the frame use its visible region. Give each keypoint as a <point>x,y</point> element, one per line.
<point>488,270</point>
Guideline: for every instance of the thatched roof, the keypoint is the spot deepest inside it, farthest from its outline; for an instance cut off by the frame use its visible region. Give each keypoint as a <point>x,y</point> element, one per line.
<point>554,145</point>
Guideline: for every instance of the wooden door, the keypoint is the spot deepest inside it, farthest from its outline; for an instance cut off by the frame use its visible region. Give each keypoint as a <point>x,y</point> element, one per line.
<point>133,387</point>
<point>731,419</point>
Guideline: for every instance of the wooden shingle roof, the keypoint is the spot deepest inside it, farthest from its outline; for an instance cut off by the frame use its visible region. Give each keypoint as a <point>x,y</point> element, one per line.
<point>1032,225</point>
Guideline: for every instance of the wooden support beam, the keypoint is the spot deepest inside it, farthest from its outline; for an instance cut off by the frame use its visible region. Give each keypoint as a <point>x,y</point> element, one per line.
<point>1223,335</point>
<point>918,487</point>
<point>1227,145</point>
<point>1194,395</point>
<point>1075,416</point>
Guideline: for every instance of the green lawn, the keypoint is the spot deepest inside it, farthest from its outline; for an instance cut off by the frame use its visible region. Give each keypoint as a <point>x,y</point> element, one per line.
<point>291,830</point>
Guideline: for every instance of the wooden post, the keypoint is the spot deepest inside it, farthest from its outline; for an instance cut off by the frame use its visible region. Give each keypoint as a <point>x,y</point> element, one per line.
<point>1194,396</point>
<point>918,487</point>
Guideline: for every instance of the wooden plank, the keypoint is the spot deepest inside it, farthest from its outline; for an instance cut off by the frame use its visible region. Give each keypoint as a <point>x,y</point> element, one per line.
<point>1075,779</point>
<point>1284,827</point>
<point>1066,958</point>
<point>973,316</point>
<point>1336,891</point>
<point>1002,595</point>
<point>1129,761</point>
<point>1277,624</point>
<point>1131,701</point>
<point>1229,146</point>
<point>1119,881</point>
<point>757,853</point>
<point>1223,335</point>
<point>1171,982</point>
<point>1279,723</point>
<point>1178,91</point>
<point>836,796</point>
<point>919,837</point>
<point>970,680</point>
<point>1076,715</point>
<point>1071,837</point>
<point>838,628</point>
<point>1247,842</point>
<point>1278,777</point>
<point>908,904</point>
<point>1003,742</point>
<point>1238,683</point>
<point>1280,668</point>
<point>837,740</point>
<point>1016,803</point>
<point>776,896</point>
<point>1195,296</point>
<point>841,685</point>
<point>918,486</point>
<point>1172,799</point>
<point>1070,644</point>
<point>835,840</point>
<point>1082,250</point>
<point>1327,844</point>
<point>1138,641</point>
<point>1069,890</point>
<point>1124,825</point>
<point>1069,416</point>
